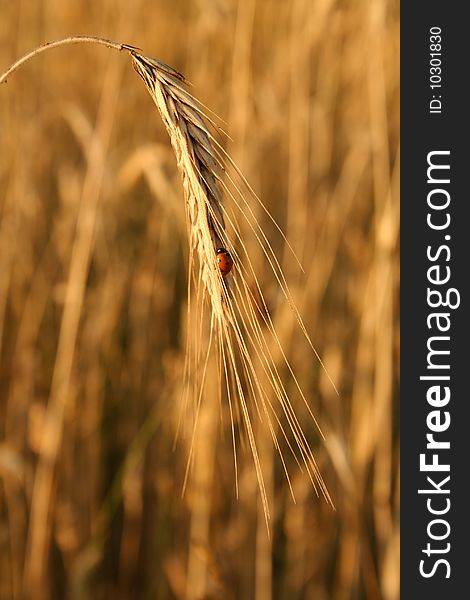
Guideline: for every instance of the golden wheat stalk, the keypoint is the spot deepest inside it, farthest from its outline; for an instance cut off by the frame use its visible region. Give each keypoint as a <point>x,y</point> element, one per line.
<point>241,329</point>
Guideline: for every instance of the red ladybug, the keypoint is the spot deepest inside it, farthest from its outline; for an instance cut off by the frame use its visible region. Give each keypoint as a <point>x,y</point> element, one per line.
<point>224,260</point>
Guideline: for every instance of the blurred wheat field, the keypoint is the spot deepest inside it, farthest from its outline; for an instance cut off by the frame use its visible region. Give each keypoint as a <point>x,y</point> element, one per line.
<point>93,303</point>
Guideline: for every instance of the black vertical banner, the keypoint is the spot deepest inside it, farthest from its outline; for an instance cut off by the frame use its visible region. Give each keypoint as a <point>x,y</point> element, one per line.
<point>435,357</point>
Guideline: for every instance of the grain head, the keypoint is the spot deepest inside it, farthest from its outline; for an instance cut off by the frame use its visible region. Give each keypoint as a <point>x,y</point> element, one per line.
<point>241,330</point>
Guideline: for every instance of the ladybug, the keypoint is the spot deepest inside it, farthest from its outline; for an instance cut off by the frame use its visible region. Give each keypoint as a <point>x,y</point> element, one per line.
<point>224,260</point>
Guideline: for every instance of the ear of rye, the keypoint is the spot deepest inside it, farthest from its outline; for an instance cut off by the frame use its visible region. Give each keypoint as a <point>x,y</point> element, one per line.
<point>240,321</point>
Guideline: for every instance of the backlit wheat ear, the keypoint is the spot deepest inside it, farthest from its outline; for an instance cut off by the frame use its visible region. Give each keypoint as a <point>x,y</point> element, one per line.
<point>240,324</point>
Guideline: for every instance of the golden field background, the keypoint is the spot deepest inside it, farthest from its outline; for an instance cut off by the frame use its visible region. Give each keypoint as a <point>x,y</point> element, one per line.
<point>93,272</point>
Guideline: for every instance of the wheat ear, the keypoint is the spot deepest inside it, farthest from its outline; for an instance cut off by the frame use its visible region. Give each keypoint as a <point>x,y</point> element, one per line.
<point>240,321</point>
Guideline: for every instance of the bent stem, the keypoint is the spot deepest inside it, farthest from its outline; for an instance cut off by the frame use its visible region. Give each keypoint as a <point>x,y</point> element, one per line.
<point>78,39</point>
